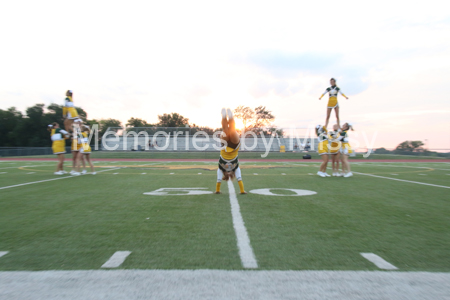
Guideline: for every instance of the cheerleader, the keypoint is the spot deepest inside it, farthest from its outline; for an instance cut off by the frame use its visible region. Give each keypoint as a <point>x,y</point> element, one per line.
<point>333,91</point>
<point>335,147</point>
<point>345,150</point>
<point>58,137</point>
<point>228,161</point>
<point>85,151</point>
<point>69,111</point>
<point>322,135</point>
<point>76,146</point>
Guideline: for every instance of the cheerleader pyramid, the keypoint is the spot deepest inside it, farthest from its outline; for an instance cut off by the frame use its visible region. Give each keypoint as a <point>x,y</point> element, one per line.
<point>334,143</point>
<point>79,133</point>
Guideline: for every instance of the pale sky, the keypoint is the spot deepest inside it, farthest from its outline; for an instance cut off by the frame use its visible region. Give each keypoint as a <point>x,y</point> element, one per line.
<point>139,59</point>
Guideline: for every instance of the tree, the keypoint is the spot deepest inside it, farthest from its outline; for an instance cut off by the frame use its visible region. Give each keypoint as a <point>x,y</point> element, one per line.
<point>172,120</point>
<point>9,120</point>
<point>410,146</point>
<point>244,113</point>
<point>263,117</point>
<point>104,124</point>
<point>259,120</point>
<point>136,122</point>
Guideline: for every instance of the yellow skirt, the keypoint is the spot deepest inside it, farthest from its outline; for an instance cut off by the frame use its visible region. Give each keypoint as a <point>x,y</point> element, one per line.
<point>335,147</point>
<point>323,147</point>
<point>70,112</point>
<point>85,148</point>
<point>333,102</point>
<point>75,145</point>
<point>59,147</point>
<point>346,149</point>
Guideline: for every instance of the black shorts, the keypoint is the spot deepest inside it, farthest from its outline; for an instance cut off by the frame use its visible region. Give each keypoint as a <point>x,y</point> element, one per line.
<point>228,165</point>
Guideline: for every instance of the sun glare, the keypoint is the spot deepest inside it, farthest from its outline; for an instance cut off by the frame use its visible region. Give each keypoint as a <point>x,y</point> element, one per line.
<point>239,124</point>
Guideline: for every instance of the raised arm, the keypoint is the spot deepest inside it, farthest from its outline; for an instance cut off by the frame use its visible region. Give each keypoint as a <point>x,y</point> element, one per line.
<point>326,91</point>
<point>342,94</point>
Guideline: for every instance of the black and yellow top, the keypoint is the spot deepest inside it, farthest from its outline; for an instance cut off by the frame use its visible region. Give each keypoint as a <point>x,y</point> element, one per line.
<point>58,134</point>
<point>333,91</point>
<point>68,101</point>
<point>228,160</point>
<point>322,134</point>
<point>343,136</point>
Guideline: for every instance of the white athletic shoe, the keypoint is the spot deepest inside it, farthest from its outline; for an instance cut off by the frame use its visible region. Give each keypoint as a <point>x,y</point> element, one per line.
<point>63,172</point>
<point>349,174</point>
<point>58,173</point>
<point>71,172</point>
<point>321,174</point>
<point>326,175</point>
<point>224,113</point>
<point>334,174</point>
<point>76,173</point>
<point>230,114</point>
<point>93,173</point>
<point>83,172</point>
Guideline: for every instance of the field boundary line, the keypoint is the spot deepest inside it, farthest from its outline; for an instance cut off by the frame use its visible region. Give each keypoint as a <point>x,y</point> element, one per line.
<point>243,241</point>
<point>33,182</point>
<point>3,253</point>
<point>403,180</point>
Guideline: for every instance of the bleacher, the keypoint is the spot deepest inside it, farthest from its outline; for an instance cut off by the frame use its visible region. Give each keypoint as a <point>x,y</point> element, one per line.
<point>201,143</point>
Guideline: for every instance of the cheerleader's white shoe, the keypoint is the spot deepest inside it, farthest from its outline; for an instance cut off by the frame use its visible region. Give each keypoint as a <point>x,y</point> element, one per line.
<point>83,172</point>
<point>321,174</point>
<point>349,174</point>
<point>230,114</point>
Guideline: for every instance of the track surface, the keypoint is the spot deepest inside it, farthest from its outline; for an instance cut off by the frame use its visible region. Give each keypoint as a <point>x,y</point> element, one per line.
<point>218,284</point>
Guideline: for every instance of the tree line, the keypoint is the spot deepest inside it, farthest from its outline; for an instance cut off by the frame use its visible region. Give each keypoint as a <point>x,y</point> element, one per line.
<point>29,129</point>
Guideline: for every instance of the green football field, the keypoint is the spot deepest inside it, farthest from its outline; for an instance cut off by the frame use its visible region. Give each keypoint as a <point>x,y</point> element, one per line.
<point>165,215</point>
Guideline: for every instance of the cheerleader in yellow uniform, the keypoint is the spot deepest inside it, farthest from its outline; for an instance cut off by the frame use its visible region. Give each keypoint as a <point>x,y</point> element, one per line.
<point>58,137</point>
<point>69,111</point>
<point>85,151</point>
<point>228,161</point>
<point>322,135</point>
<point>76,146</point>
<point>345,150</point>
<point>335,147</point>
<point>333,91</point>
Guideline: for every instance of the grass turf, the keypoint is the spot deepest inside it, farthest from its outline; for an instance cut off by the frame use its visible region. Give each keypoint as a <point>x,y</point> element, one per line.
<point>79,222</point>
<point>242,155</point>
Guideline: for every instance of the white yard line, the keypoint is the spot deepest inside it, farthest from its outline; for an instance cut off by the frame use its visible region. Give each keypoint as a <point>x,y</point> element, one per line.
<point>116,259</point>
<point>378,261</point>
<point>65,177</point>
<point>222,284</point>
<point>3,253</point>
<point>409,181</point>
<point>243,241</point>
